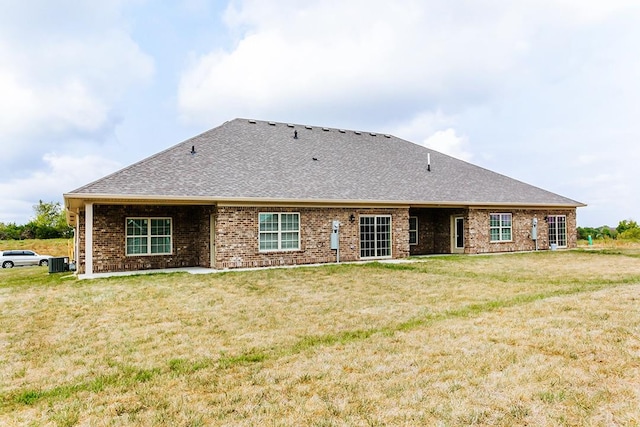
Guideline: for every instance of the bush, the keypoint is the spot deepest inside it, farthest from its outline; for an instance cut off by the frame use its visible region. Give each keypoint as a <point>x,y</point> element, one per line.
<point>630,234</point>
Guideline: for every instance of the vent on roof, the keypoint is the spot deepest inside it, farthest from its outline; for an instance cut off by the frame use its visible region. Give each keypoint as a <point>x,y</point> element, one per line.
<point>193,149</point>
<point>290,125</point>
<point>372,134</point>
<point>325,129</point>
<point>341,130</point>
<point>357,132</point>
<point>252,121</point>
<point>315,159</point>
<point>387,136</point>
<point>272,123</point>
<point>295,134</point>
<point>308,127</point>
<point>429,162</point>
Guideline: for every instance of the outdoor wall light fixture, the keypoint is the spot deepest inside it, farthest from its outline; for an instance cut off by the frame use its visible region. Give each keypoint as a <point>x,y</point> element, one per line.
<point>352,217</point>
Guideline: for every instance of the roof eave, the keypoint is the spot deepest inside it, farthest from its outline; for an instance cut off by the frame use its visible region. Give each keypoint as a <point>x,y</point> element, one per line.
<point>78,200</point>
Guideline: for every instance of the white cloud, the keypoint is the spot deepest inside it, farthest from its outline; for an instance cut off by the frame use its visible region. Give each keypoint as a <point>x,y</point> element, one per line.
<point>448,142</point>
<point>67,85</point>
<point>422,125</point>
<point>61,173</point>
<point>62,82</point>
<point>343,54</point>
<point>435,130</point>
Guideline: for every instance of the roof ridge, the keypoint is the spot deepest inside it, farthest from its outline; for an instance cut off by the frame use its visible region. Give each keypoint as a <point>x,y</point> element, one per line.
<point>307,126</point>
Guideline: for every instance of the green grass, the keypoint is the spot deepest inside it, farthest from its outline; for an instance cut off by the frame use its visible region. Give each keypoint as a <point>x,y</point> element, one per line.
<point>538,339</point>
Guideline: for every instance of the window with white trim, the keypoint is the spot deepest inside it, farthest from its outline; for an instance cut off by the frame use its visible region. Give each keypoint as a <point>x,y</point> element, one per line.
<point>413,230</point>
<point>375,236</point>
<point>148,236</point>
<point>279,231</point>
<point>500,227</point>
<point>557,230</point>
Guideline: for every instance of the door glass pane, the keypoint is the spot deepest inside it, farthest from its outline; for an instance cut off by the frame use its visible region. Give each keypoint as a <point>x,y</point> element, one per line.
<point>459,233</point>
<point>367,236</point>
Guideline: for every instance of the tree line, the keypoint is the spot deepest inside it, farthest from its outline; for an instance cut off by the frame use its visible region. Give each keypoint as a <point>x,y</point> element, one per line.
<point>627,229</point>
<point>49,222</point>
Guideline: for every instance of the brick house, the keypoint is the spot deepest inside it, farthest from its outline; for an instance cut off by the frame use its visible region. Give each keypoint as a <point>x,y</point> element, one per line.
<point>252,193</point>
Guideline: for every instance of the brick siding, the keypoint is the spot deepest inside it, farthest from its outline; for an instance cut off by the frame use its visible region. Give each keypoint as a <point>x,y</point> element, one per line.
<point>237,240</point>
<point>189,224</point>
<point>236,237</point>
<point>434,230</point>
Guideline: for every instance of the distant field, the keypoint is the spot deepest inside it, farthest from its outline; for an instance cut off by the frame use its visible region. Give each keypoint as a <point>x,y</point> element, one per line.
<point>53,247</point>
<point>548,338</point>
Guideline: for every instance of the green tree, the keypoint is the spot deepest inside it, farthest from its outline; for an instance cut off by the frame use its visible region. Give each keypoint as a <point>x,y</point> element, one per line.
<point>46,213</point>
<point>597,233</point>
<point>626,225</point>
<point>49,222</point>
<point>10,231</point>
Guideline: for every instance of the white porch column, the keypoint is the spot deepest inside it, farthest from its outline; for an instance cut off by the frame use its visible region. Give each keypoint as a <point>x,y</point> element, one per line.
<point>88,239</point>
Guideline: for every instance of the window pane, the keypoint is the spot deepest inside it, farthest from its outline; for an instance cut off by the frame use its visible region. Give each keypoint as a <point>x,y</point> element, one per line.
<point>268,241</point>
<point>268,222</point>
<point>289,241</point>
<point>136,227</point>
<point>495,234</point>
<point>413,237</point>
<point>136,245</point>
<point>413,223</point>
<point>506,234</point>
<point>160,245</point>
<point>289,222</point>
<point>160,227</point>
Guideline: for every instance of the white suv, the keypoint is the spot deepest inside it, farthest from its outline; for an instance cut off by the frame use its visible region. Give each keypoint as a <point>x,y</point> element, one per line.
<point>12,258</point>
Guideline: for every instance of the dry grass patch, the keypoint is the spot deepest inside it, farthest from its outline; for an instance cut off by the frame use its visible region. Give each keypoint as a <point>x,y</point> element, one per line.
<point>53,247</point>
<point>500,340</point>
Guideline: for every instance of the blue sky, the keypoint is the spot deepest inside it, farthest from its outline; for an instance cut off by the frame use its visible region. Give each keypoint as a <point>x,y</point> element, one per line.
<point>547,92</point>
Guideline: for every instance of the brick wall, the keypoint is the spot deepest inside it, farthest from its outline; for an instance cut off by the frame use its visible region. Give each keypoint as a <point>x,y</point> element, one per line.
<point>190,238</point>
<point>237,236</point>
<point>236,239</point>
<point>434,230</point>
<point>480,240</point>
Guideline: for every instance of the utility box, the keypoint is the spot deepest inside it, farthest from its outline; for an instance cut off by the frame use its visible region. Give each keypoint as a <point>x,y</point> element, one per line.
<point>334,240</point>
<point>534,229</point>
<point>334,235</point>
<point>58,264</point>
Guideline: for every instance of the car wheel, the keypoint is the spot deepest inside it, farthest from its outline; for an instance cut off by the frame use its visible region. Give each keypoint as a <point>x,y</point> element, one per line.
<point>44,263</point>
<point>7,264</point>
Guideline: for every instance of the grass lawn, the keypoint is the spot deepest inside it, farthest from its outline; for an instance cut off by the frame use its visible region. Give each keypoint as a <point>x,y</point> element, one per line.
<point>548,338</point>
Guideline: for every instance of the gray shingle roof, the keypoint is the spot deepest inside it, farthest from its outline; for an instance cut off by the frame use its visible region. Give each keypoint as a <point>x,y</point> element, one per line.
<point>251,159</point>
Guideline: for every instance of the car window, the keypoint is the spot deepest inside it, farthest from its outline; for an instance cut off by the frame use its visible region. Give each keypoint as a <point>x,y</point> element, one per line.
<point>29,253</point>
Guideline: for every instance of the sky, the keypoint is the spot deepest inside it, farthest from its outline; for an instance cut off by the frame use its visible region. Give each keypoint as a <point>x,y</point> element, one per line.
<point>543,91</point>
